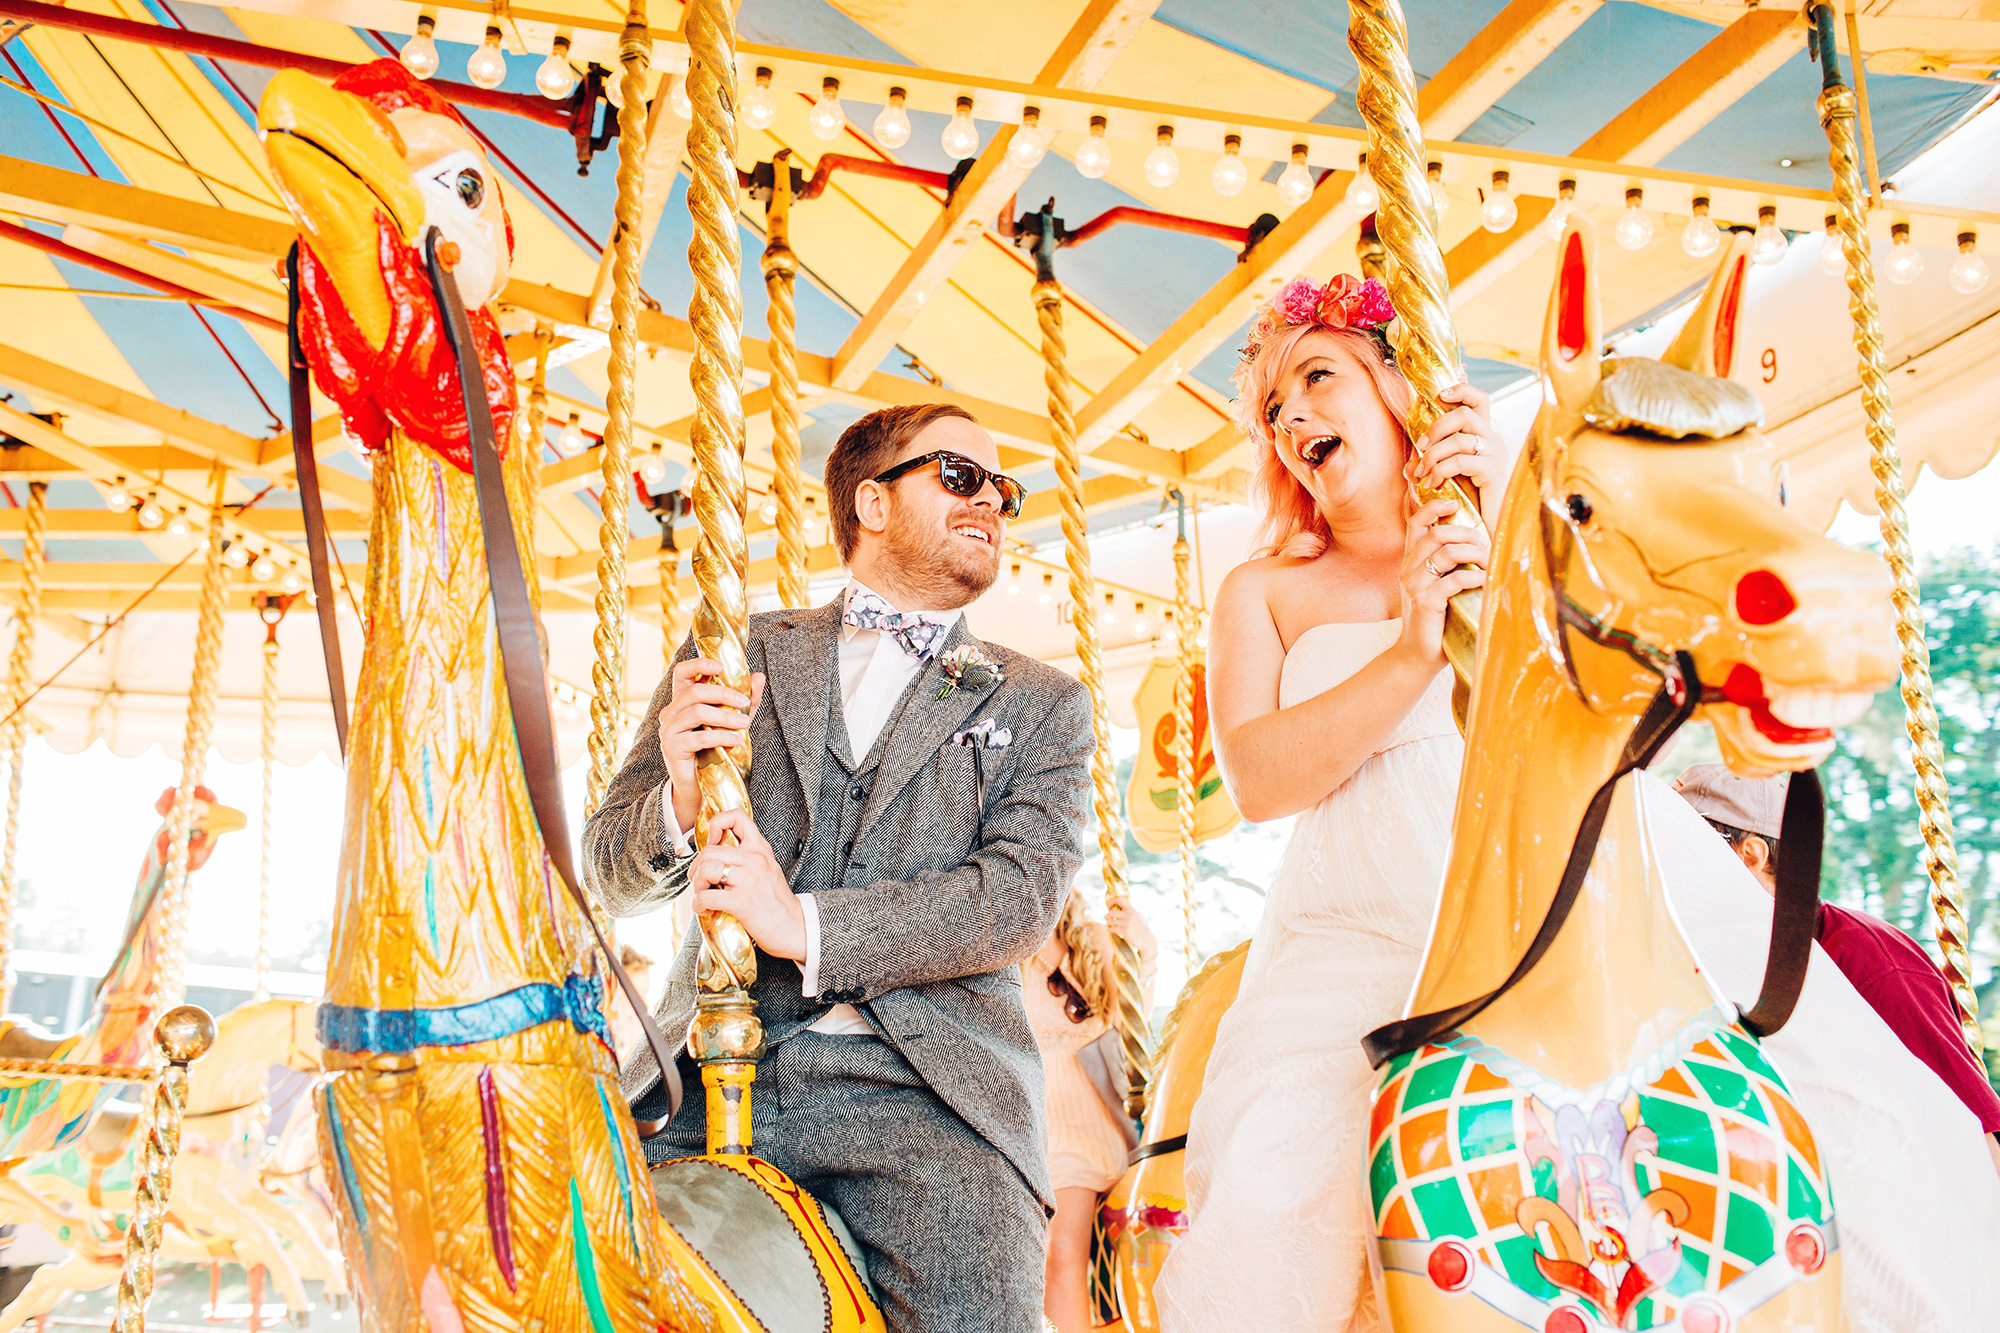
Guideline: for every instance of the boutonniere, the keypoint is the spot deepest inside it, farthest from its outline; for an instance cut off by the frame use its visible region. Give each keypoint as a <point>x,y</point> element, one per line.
<point>966,665</point>
<point>984,736</point>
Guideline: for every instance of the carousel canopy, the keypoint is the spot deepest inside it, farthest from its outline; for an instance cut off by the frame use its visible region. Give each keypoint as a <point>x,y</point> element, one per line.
<point>142,317</point>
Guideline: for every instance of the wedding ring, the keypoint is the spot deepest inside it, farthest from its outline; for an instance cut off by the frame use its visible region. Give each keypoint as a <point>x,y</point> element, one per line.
<point>1432,568</point>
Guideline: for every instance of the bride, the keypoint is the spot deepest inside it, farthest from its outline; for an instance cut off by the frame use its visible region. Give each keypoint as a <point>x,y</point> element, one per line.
<point>1330,699</point>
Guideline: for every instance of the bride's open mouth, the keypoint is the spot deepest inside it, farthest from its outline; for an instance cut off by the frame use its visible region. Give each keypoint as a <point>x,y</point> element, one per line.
<point>1318,449</point>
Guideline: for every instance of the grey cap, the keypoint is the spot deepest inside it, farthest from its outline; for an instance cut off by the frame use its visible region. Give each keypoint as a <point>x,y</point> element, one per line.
<point>1755,805</point>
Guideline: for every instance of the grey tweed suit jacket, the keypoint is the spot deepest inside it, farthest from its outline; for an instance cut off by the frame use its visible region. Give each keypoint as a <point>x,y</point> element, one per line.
<point>941,901</point>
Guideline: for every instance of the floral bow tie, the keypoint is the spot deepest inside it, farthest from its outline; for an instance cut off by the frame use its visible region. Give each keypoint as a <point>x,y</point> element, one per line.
<point>916,634</point>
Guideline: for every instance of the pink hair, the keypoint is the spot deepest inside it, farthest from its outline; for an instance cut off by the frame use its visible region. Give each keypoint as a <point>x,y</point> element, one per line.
<point>1292,523</point>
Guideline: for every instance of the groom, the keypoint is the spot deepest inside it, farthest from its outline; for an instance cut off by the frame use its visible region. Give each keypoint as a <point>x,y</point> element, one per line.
<point>920,800</point>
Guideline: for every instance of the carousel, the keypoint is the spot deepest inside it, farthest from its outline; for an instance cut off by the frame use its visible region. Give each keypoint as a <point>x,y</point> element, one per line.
<point>400,386</point>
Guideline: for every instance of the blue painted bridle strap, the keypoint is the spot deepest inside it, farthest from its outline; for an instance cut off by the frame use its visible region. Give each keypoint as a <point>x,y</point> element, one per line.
<point>350,1028</point>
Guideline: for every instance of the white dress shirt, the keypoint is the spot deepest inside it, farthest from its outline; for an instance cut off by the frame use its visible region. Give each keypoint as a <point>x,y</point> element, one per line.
<point>874,673</point>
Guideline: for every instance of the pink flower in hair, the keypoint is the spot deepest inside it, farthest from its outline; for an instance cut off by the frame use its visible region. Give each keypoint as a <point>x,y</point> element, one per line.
<point>1299,302</point>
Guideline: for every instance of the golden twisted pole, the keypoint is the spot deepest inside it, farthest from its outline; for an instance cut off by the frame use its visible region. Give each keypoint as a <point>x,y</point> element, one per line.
<point>614,501</point>
<point>169,980</point>
<point>268,749</point>
<point>1428,351</point>
<point>781,269</point>
<point>726,1036</point>
<point>1837,110</point>
<point>1186,793</point>
<point>1134,1025</point>
<point>34,554</point>
<point>183,1035</point>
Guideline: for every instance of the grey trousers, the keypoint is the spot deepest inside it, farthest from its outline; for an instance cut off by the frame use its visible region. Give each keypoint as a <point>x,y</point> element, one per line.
<point>953,1237</point>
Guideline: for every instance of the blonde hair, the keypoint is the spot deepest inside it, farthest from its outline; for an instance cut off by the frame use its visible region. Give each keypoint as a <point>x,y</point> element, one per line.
<point>1293,525</point>
<point>1087,962</point>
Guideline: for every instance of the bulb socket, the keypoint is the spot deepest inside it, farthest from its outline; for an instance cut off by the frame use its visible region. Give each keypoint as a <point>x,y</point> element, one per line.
<point>897,96</point>
<point>1767,213</point>
<point>763,76</point>
<point>1030,116</point>
<point>830,86</point>
<point>1968,241</point>
<point>1566,189</point>
<point>1701,205</point>
<point>1299,153</point>
<point>1634,197</point>
<point>493,34</point>
<point>1500,179</point>
<point>1099,124</point>
<point>426,25</point>
<point>965,104</point>
<point>1166,134</point>
<point>1232,143</point>
<point>1899,233</point>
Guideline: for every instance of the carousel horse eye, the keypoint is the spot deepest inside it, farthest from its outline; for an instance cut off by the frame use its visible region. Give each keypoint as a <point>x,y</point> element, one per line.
<point>1579,508</point>
<point>471,187</point>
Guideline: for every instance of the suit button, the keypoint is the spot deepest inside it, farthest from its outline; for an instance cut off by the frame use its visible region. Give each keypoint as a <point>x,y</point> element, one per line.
<point>848,851</point>
<point>800,848</point>
<point>858,792</point>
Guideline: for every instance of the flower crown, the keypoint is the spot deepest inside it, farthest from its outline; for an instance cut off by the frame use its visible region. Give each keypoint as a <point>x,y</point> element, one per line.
<point>1342,302</point>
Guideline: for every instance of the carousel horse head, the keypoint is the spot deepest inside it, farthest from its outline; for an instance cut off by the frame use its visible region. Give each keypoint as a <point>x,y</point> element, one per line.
<point>372,167</point>
<point>1663,528</point>
<point>209,821</point>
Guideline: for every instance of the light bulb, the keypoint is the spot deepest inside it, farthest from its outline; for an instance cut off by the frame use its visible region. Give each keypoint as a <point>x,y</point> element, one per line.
<point>1701,237</point>
<point>264,568</point>
<point>1969,272</point>
<point>1440,201</point>
<point>653,468</point>
<point>961,136</point>
<point>293,580</point>
<point>677,95</point>
<point>236,555</point>
<point>1027,147</point>
<point>828,117</point>
<point>1141,626</point>
<point>487,67</point>
<point>118,497</point>
<point>768,511</point>
<point>1769,245</point>
<point>759,108</point>
<point>1498,212</point>
<point>1094,158</point>
<point>1906,262</point>
<point>555,80</point>
<point>892,126</point>
<point>1163,164</point>
<point>1014,580</point>
<point>1832,261</point>
<point>1230,175</point>
<point>1110,608</point>
<point>1047,594</point>
<point>1634,228</point>
<point>570,442</point>
<point>811,524</point>
<point>150,513</point>
<point>1295,182</point>
<point>179,525</point>
<point>420,54</point>
<point>1565,205</point>
<point>1362,195</point>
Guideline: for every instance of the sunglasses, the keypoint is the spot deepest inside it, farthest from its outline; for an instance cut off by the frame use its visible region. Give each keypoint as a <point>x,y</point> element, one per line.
<point>965,479</point>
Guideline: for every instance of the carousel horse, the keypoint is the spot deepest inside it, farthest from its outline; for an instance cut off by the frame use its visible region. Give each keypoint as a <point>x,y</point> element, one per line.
<point>1578,1131</point>
<point>220,1209</point>
<point>1145,1213</point>
<point>486,1170</point>
<point>39,1114</point>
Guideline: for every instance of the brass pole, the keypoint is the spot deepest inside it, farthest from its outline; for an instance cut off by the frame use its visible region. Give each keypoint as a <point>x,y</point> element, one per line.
<point>169,981</point>
<point>726,1036</point>
<point>1837,115</point>
<point>268,748</point>
<point>1134,1025</point>
<point>1428,352</point>
<point>20,662</point>
<point>1186,790</point>
<point>781,269</point>
<point>614,501</point>
<point>183,1035</point>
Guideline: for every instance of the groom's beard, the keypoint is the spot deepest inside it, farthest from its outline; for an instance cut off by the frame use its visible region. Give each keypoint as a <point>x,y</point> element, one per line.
<point>935,565</point>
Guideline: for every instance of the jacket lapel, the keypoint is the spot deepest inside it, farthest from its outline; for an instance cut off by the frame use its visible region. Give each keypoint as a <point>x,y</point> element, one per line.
<point>799,671</point>
<point>925,724</point>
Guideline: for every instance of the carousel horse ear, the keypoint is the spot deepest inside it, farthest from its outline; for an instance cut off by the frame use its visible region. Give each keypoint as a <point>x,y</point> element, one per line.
<point>1707,343</point>
<point>1570,339</point>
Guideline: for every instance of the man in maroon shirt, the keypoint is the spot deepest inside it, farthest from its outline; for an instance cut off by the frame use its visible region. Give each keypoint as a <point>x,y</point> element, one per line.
<point>1890,969</point>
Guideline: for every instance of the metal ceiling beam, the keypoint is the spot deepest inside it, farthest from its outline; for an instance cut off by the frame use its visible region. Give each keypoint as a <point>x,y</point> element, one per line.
<point>1512,43</point>
<point>1086,53</point>
<point>70,197</point>
<point>72,391</point>
<point>115,523</point>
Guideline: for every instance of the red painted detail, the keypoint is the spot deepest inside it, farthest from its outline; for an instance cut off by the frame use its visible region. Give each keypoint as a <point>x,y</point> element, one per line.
<point>1566,1320</point>
<point>1701,1316</point>
<point>1572,331</point>
<point>1450,1265</point>
<point>1745,688</point>
<point>1763,599</point>
<point>1805,1248</point>
<point>1723,345</point>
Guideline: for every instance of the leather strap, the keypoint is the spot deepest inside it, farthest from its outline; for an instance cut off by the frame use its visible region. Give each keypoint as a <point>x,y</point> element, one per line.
<point>1160,1148</point>
<point>306,464</point>
<point>1680,694</point>
<point>1795,913</point>
<point>520,643</point>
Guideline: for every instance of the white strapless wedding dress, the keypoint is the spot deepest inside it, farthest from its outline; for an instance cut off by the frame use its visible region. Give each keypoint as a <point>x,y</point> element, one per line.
<point>1278,1239</point>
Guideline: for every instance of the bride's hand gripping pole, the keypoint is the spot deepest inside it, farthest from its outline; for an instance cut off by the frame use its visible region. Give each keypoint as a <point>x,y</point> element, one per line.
<point>1134,1025</point>
<point>727,1036</point>
<point>1428,352</point>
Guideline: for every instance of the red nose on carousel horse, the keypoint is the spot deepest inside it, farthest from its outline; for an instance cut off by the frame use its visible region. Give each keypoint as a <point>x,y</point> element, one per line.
<point>1576,1131</point>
